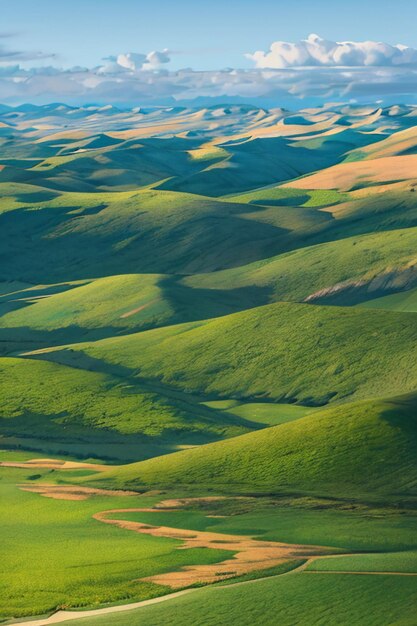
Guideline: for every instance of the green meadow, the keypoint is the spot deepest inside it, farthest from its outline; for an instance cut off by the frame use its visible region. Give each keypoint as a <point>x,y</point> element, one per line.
<point>236,350</point>
<point>55,555</point>
<point>372,446</point>
<point>293,599</point>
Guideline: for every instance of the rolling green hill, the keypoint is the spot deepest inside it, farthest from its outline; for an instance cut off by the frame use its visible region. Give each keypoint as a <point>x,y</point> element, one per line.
<point>339,272</point>
<point>114,305</point>
<point>77,236</point>
<point>286,352</point>
<point>360,450</point>
<point>405,301</point>
<point>51,407</point>
<point>209,301</point>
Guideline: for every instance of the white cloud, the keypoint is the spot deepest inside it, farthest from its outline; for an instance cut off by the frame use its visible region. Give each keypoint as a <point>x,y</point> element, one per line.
<point>315,69</point>
<point>155,59</point>
<point>316,51</point>
<point>131,60</point>
<point>134,62</point>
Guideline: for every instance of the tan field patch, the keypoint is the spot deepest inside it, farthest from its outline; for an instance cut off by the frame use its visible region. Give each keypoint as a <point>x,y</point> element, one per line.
<point>179,503</point>
<point>55,464</point>
<point>72,492</point>
<point>344,176</point>
<point>250,554</point>
<point>137,310</point>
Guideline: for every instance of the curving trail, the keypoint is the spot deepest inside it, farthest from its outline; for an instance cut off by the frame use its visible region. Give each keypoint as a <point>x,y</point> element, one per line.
<point>250,555</point>
<point>65,616</point>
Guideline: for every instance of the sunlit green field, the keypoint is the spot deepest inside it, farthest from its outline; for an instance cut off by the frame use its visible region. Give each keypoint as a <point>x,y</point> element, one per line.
<point>76,561</point>
<point>323,600</point>
<point>55,555</point>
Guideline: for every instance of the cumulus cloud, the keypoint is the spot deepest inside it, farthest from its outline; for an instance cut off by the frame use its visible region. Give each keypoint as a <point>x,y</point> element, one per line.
<point>316,51</point>
<point>155,59</point>
<point>131,60</point>
<point>316,69</point>
<point>134,62</point>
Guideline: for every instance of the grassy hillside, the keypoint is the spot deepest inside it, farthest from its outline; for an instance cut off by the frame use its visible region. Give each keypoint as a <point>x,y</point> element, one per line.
<point>406,301</point>
<point>340,272</point>
<point>312,216</point>
<point>360,450</point>
<point>287,352</point>
<point>102,307</point>
<point>78,236</point>
<point>211,301</point>
<point>284,196</point>
<point>94,414</point>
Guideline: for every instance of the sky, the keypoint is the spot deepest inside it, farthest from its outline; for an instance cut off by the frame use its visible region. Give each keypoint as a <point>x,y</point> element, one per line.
<point>209,42</point>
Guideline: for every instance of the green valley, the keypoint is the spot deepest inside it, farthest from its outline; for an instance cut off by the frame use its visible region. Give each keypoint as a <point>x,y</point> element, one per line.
<point>208,366</point>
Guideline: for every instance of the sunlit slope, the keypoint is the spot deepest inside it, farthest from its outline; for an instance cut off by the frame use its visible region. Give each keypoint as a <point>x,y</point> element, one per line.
<point>362,449</point>
<point>113,302</point>
<point>52,402</point>
<point>312,216</point>
<point>406,301</point>
<point>253,162</point>
<point>107,306</point>
<point>284,351</point>
<point>355,174</point>
<point>286,196</point>
<point>401,143</point>
<point>345,271</point>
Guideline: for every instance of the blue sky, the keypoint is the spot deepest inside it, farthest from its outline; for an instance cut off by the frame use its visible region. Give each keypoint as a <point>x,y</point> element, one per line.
<point>158,51</point>
<point>210,35</point>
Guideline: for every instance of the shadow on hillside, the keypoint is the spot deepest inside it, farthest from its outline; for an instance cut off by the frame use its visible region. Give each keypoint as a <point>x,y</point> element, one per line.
<point>193,304</point>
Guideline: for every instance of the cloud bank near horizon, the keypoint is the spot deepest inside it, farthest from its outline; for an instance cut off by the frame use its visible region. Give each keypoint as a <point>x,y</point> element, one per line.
<point>314,69</point>
<point>316,51</point>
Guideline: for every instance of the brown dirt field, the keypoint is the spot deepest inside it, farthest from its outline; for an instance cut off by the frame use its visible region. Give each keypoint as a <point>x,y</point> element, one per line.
<point>72,492</point>
<point>250,554</point>
<point>54,464</point>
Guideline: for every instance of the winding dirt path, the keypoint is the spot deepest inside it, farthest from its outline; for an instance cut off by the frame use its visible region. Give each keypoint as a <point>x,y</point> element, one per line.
<point>64,616</point>
<point>249,555</point>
